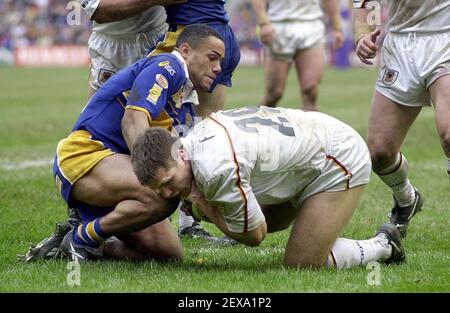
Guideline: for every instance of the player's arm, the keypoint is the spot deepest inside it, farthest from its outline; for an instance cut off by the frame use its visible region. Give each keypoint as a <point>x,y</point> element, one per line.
<point>365,34</point>
<point>148,97</point>
<point>252,237</point>
<point>106,11</point>
<point>266,31</point>
<point>331,8</point>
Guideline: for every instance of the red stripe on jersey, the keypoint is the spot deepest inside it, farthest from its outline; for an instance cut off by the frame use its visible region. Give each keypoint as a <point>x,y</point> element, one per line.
<point>347,172</point>
<point>238,183</point>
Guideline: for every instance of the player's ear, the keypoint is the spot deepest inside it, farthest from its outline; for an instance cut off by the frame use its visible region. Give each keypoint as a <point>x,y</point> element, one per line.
<point>183,154</point>
<point>185,50</point>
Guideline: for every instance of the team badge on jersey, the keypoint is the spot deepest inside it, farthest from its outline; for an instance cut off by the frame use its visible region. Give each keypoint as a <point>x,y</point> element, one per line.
<point>389,77</point>
<point>104,75</point>
<point>162,81</point>
<point>154,93</point>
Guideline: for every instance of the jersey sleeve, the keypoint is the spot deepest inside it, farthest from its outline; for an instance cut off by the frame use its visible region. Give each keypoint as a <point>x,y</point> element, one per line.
<point>89,6</point>
<point>153,87</point>
<point>231,193</point>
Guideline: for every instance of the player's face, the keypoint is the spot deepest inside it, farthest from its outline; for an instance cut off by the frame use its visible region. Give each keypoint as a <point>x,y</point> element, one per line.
<point>175,181</point>
<point>204,62</point>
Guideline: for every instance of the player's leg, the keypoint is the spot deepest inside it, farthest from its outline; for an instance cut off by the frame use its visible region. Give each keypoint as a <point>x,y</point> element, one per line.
<point>314,240</point>
<point>279,216</point>
<point>275,75</point>
<point>440,95</point>
<point>112,183</point>
<point>389,123</point>
<point>148,242</point>
<point>310,65</point>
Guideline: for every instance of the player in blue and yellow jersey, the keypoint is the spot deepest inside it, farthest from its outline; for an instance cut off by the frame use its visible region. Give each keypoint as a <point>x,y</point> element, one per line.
<point>212,13</point>
<point>92,165</point>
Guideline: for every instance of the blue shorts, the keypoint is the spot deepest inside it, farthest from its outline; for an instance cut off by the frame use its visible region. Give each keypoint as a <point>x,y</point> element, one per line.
<point>75,156</point>
<point>232,51</point>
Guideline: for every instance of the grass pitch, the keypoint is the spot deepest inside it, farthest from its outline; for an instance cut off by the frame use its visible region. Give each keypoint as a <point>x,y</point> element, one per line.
<point>40,106</point>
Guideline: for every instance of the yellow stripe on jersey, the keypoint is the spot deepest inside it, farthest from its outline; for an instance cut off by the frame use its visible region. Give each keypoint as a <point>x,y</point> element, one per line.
<point>168,43</point>
<point>78,154</point>
<point>133,107</point>
<point>163,120</point>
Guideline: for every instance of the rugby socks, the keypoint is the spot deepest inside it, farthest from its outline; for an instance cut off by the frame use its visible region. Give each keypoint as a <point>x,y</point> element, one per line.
<point>90,234</point>
<point>396,177</point>
<point>347,253</point>
<point>184,220</point>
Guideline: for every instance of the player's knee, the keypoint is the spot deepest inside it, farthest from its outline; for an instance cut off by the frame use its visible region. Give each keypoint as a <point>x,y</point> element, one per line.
<point>274,95</point>
<point>381,155</point>
<point>162,245</point>
<point>309,91</point>
<point>445,138</point>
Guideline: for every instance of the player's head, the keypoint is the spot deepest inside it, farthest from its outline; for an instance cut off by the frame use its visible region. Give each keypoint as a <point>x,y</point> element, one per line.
<point>160,163</point>
<point>203,49</point>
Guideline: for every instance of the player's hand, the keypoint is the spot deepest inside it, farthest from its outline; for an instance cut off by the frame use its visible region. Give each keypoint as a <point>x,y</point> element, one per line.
<point>338,39</point>
<point>366,48</point>
<point>267,34</point>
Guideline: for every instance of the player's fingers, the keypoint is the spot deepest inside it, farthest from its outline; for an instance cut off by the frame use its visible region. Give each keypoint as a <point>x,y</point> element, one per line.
<point>365,61</point>
<point>374,35</point>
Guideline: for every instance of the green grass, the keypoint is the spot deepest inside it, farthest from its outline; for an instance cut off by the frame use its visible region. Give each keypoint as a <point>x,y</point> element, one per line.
<point>39,107</point>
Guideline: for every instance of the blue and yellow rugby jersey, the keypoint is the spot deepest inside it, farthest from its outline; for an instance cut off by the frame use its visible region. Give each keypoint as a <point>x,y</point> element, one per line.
<point>155,86</point>
<point>197,11</point>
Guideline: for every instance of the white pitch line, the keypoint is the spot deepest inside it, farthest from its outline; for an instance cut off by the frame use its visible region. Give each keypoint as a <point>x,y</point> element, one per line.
<point>10,166</point>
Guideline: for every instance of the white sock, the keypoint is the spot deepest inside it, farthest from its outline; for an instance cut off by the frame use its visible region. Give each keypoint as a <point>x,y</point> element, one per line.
<point>396,177</point>
<point>347,253</point>
<point>184,220</point>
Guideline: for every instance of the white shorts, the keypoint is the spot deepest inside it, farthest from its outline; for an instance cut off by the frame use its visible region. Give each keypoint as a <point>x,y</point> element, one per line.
<point>410,63</point>
<point>293,36</point>
<point>110,54</point>
<point>347,163</point>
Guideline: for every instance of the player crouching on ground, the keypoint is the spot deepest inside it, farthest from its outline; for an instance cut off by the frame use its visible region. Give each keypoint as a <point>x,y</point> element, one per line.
<point>257,170</point>
<point>93,165</point>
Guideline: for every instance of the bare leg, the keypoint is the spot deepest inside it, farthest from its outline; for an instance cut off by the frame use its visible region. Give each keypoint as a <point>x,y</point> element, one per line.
<point>389,123</point>
<point>319,222</point>
<point>275,72</point>
<point>310,65</point>
<point>440,95</point>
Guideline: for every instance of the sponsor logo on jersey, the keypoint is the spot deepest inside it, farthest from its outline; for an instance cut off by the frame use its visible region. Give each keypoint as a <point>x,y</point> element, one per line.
<point>161,80</point>
<point>177,98</point>
<point>104,75</point>
<point>154,93</point>
<point>167,67</point>
<point>389,77</point>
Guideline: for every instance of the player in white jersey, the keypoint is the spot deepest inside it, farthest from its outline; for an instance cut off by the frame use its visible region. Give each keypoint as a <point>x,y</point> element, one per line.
<point>123,32</point>
<point>414,71</point>
<point>256,170</point>
<point>293,32</point>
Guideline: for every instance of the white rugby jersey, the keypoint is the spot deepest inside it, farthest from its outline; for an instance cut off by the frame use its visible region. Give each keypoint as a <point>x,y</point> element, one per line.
<point>298,10</point>
<point>416,15</point>
<point>143,22</point>
<point>253,155</point>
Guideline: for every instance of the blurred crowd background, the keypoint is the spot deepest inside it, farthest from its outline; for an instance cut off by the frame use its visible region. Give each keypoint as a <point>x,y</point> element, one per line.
<point>26,24</point>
